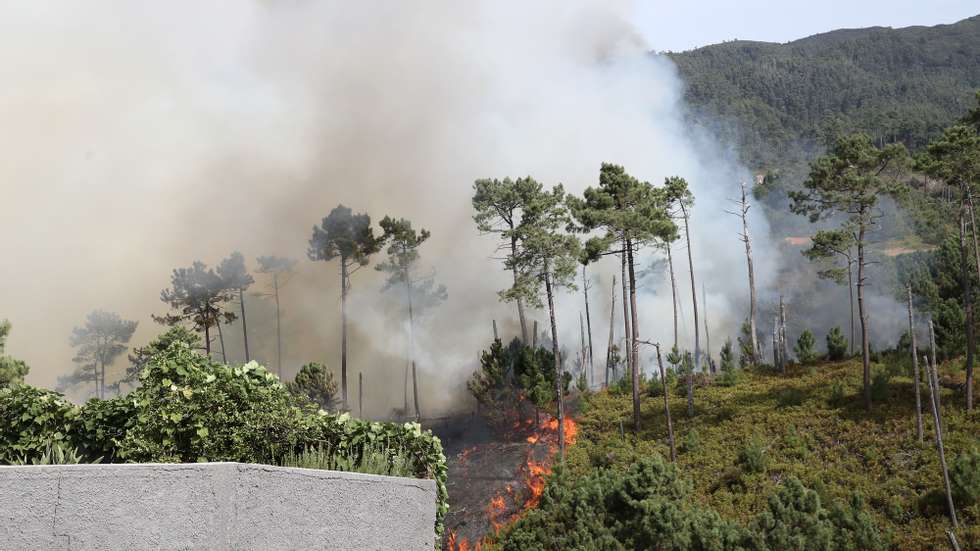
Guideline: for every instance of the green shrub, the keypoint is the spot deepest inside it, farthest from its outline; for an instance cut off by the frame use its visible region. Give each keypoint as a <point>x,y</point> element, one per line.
<point>879,385</point>
<point>795,519</point>
<point>691,441</point>
<point>729,371</point>
<point>838,393</point>
<point>806,347</point>
<point>57,454</point>
<point>789,397</point>
<point>102,424</point>
<point>647,507</point>
<point>964,477</point>
<point>315,383</point>
<point>752,457</point>
<point>655,387</point>
<point>373,458</point>
<point>836,345</point>
<point>31,421</point>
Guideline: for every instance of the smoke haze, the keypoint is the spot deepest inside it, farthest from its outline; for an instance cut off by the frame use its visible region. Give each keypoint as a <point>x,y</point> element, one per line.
<point>140,136</point>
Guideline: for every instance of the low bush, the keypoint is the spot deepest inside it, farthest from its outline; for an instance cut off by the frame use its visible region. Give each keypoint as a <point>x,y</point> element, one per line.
<point>32,420</point>
<point>964,477</point>
<point>836,345</point>
<point>752,457</point>
<point>879,385</point>
<point>806,347</point>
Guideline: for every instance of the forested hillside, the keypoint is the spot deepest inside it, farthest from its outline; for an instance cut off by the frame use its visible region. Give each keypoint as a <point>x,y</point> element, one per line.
<point>779,102</point>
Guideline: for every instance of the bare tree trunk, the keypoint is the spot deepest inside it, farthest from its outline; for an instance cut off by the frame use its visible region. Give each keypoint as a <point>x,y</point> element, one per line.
<point>627,335</point>
<point>405,387</point>
<point>102,384</point>
<point>971,343</point>
<point>850,293</point>
<point>635,350</point>
<point>207,339</point>
<point>415,394</point>
<point>933,392</point>
<point>744,209</point>
<point>343,332</point>
<point>694,293</point>
<point>520,301</point>
<point>241,301</point>
<point>865,345</point>
<point>783,352</point>
<point>707,336</point>
<point>496,336</point>
<point>915,370</point>
<point>360,395</point>
<point>581,326</point>
<point>612,318</point>
<point>673,290</point>
<point>670,425</point>
<point>559,395</point>
<point>534,339</point>
<point>935,359</point>
<point>690,384</point>
<point>275,286</point>
<point>588,326</point>
<point>221,340</point>
<point>953,544</point>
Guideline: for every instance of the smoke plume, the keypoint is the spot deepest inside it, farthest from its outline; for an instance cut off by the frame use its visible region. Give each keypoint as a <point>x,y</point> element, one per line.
<point>141,136</point>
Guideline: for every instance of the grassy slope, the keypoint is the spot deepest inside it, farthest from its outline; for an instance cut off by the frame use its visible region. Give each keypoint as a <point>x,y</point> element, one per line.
<point>838,449</point>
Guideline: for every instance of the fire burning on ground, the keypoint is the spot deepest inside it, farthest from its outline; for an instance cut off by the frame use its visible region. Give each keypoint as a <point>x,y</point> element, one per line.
<point>494,481</point>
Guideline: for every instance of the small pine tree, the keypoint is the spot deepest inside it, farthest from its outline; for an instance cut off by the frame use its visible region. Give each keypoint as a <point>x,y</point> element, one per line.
<point>836,345</point>
<point>746,355</point>
<point>729,373</point>
<point>806,347</point>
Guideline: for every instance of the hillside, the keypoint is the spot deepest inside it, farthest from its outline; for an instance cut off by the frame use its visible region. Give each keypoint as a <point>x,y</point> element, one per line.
<point>807,425</point>
<point>776,102</point>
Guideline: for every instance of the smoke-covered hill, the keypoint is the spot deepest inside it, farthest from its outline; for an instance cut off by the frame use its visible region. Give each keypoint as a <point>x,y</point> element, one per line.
<point>777,101</point>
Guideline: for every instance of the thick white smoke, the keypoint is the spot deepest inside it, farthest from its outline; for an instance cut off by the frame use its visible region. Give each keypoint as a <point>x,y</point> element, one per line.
<point>140,136</point>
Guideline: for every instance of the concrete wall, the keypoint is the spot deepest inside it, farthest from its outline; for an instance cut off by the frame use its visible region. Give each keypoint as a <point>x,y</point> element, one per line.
<point>210,506</point>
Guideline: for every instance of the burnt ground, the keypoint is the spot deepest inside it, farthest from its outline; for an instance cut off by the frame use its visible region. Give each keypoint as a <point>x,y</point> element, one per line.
<point>489,475</point>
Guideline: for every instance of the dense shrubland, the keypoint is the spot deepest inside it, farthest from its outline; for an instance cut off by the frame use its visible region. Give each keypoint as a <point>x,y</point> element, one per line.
<point>190,408</point>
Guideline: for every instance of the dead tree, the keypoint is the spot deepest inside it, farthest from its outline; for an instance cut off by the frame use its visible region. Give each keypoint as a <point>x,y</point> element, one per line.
<point>783,354</point>
<point>915,370</point>
<point>626,312</point>
<point>581,324</point>
<point>588,326</point>
<point>935,360</point>
<point>933,395</point>
<point>743,210</point>
<point>663,381</point>
<point>673,289</point>
<point>694,293</point>
<point>612,318</point>
<point>415,392</point>
<point>707,336</point>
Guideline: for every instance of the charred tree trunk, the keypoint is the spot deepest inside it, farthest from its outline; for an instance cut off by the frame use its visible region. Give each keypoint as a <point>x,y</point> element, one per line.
<point>207,339</point>
<point>588,326</point>
<point>707,336</point>
<point>915,370</point>
<point>275,286</point>
<point>694,293</point>
<point>221,341</point>
<point>520,301</point>
<point>559,395</point>
<point>344,283</point>
<point>850,296</point>
<point>612,321</point>
<point>783,352</point>
<point>933,393</point>
<point>415,394</point>
<point>241,301</point>
<point>634,349</point>
<point>627,335</point>
<point>673,290</point>
<point>670,425</point>
<point>967,284</point>
<point>862,314</point>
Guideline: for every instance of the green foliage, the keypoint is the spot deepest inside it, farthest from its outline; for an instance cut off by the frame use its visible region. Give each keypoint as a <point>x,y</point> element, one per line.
<point>729,371</point>
<point>403,242</point>
<point>964,477</point>
<point>780,102</point>
<point>838,393</point>
<point>753,456</point>
<point>512,373</point>
<point>102,424</point>
<point>31,421</point>
<point>315,383</point>
<point>196,295</point>
<point>806,347</point>
<point>879,384</point>
<point>56,454</point>
<point>97,344</point>
<point>646,507</point>
<point>140,358</point>
<point>345,235</point>
<point>836,345</point>
<point>746,356</point>
<point>374,458</point>
<point>834,249</point>
<point>12,371</point>
<point>691,441</point>
<point>796,519</point>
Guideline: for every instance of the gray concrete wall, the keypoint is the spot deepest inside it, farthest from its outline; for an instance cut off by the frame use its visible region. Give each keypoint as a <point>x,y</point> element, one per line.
<point>210,506</point>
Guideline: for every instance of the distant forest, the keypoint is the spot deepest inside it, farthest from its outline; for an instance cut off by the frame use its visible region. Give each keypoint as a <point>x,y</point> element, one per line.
<point>780,103</point>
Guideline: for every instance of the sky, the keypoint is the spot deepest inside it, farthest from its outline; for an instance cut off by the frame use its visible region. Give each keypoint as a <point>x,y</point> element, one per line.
<point>678,26</point>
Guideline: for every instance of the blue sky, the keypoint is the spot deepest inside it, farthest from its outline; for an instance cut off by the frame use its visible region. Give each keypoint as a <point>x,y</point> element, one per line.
<point>683,25</point>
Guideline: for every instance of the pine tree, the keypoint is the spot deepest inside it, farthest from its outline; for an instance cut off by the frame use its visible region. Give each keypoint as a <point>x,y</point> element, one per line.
<point>833,246</point>
<point>806,347</point>
<point>12,370</point>
<point>350,238</point>
<point>99,342</point>
<point>196,295</point>
<point>237,279</point>
<point>847,184</point>
<point>836,345</point>
<point>279,269</point>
